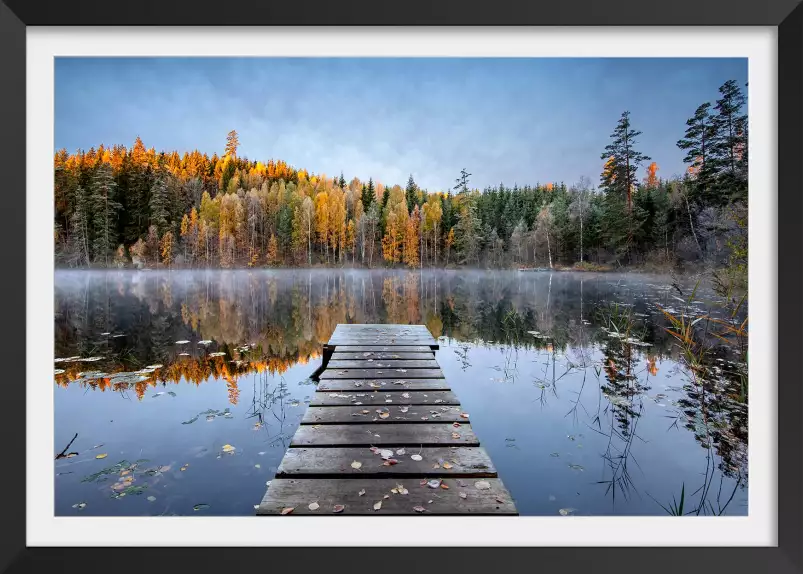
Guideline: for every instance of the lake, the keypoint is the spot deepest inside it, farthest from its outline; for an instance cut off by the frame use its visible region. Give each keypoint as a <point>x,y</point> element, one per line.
<point>185,387</point>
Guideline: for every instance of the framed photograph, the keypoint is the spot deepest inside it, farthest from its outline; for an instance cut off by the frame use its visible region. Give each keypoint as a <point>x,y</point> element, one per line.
<point>356,277</point>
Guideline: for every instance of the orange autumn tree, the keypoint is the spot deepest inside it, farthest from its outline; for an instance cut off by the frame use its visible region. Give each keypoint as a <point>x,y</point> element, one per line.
<point>411,239</point>
<point>652,178</point>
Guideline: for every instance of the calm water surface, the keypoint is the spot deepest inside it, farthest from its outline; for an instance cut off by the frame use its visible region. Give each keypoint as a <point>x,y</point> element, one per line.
<point>192,384</point>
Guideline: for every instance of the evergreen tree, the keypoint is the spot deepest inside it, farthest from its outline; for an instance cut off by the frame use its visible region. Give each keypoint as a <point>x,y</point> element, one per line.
<point>159,204</point>
<point>367,197</point>
<point>698,142</point>
<point>410,194</point>
<point>462,181</point>
<point>104,205</point>
<point>619,177</point>
<point>730,142</point>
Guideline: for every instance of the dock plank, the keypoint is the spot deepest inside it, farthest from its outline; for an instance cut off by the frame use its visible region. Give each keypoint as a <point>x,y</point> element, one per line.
<point>380,389</point>
<point>336,463</point>
<point>390,385</point>
<point>397,434</point>
<point>300,493</point>
<point>395,413</point>
<point>320,399</point>
<point>381,374</point>
<point>380,364</point>
<point>383,348</point>
<point>378,356</point>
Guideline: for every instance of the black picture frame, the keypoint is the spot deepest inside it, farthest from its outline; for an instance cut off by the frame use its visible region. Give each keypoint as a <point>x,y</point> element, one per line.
<point>786,15</point>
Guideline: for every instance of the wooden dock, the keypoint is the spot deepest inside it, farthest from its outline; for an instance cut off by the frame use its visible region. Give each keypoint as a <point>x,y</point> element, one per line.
<point>385,435</point>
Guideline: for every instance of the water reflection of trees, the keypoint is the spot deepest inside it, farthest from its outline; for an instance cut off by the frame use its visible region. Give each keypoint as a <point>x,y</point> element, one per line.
<point>133,320</point>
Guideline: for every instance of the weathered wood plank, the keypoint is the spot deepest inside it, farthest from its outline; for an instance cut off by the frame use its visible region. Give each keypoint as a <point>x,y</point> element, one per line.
<point>320,399</point>
<point>386,364</point>
<point>385,328</point>
<point>389,385</point>
<point>300,493</point>
<point>383,348</point>
<point>395,414</point>
<point>336,462</point>
<point>381,374</point>
<point>397,434</point>
<point>379,356</point>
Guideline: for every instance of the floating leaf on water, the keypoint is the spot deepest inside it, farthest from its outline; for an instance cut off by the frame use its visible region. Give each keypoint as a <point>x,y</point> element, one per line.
<point>205,342</point>
<point>576,467</point>
<point>338,508</point>
<point>555,454</point>
<point>378,505</point>
<point>102,456</point>
<point>217,354</point>
<point>482,485</point>
<point>198,507</point>
<point>356,465</point>
<point>416,457</point>
<point>566,511</point>
<point>192,420</point>
<point>257,466</point>
<point>80,505</point>
<point>58,372</point>
<point>288,510</point>
<point>151,499</point>
<point>362,492</point>
<point>182,342</point>
<point>314,506</point>
<point>552,498</point>
<point>90,359</point>
<point>228,448</point>
<point>419,509</point>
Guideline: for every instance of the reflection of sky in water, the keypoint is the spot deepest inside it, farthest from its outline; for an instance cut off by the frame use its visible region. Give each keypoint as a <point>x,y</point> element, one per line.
<point>612,437</point>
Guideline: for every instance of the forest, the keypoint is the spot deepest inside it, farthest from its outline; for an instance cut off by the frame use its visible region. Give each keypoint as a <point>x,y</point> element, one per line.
<point>119,207</point>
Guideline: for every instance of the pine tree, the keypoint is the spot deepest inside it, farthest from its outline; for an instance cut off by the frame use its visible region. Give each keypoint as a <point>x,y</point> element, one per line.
<point>103,194</point>
<point>623,160</point>
<point>80,224</point>
<point>462,181</point>
<point>698,143</point>
<point>159,204</point>
<point>367,197</point>
<point>730,142</point>
<point>468,235</point>
<point>341,182</point>
<point>410,194</point>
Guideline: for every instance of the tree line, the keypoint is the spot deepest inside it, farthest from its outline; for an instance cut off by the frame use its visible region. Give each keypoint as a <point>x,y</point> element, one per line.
<point>117,207</point>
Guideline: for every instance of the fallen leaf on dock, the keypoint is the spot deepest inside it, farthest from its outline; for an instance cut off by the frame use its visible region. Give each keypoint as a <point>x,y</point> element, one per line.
<point>464,415</point>
<point>482,485</point>
<point>288,510</point>
<point>434,483</point>
<point>400,452</point>
<point>338,508</point>
<point>362,492</point>
<point>416,457</point>
<point>419,509</point>
<point>378,505</point>
<point>463,495</point>
<point>356,465</point>
<point>446,465</point>
<point>314,506</point>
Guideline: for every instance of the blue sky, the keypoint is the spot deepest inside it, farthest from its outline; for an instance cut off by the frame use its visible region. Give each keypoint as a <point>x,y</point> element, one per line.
<point>517,120</point>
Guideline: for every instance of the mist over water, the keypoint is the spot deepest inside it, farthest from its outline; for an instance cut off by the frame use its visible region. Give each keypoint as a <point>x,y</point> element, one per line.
<point>193,382</point>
